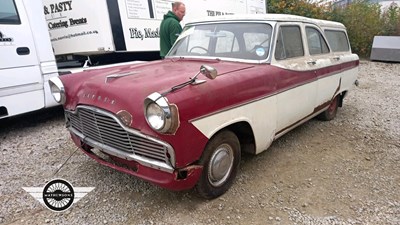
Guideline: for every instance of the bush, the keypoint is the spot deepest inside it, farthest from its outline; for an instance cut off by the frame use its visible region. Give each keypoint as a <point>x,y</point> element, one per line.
<point>363,20</point>
<point>391,20</point>
<point>307,8</point>
<point>363,23</point>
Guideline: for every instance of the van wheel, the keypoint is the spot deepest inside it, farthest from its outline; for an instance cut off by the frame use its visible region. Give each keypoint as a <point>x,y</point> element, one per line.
<point>330,112</point>
<point>220,162</point>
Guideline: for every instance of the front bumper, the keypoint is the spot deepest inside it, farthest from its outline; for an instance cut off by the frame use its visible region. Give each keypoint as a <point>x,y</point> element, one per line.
<point>103,130</point>
<point>176,180</point>
<point>103,136</point>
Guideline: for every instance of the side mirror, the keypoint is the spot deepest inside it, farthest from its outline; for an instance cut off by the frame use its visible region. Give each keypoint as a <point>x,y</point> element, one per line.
<point>209,71</point>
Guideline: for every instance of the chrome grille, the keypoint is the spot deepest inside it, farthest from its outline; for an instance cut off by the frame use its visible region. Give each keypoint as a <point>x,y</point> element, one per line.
<point>103,128</point>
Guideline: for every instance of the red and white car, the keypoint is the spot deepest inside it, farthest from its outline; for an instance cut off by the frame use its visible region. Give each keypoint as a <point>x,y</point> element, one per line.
<point>229,85</point>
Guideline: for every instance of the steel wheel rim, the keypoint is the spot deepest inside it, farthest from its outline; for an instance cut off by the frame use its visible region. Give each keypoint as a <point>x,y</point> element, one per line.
<point>220,166</point>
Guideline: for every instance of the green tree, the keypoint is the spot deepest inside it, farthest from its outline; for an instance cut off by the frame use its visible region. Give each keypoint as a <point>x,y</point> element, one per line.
<point>391,20</point>
<point>363,22</point>
<point>363,19</point>
<point>307,8</point>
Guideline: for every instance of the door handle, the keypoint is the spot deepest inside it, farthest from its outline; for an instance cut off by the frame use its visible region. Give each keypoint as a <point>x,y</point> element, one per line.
<point>337,58</point>
<point>312,62</point>
<point>23,51</point>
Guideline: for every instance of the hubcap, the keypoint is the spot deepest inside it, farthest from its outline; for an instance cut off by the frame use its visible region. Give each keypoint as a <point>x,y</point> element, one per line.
<point>220,166</point>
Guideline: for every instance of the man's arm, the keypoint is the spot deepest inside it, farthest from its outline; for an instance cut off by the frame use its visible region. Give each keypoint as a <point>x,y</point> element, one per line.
<point>175,31</point>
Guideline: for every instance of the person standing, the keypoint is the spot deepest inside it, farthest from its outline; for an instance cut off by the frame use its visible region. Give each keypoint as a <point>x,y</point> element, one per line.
<point>170,27</point>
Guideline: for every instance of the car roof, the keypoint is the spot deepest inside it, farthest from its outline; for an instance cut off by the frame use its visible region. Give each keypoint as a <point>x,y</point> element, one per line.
<point>269,17</point>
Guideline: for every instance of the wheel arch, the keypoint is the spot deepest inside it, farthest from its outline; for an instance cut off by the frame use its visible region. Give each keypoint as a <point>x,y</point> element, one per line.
<point>244,132</point>
<point>342,95</point>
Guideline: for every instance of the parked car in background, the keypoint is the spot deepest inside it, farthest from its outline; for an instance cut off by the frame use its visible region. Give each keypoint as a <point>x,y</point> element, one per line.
<point>230,84</point>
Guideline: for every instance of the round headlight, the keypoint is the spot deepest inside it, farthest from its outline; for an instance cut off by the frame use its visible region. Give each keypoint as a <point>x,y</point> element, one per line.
<point>155,116</point>
<point>160,115</point>
<point>57,90</point>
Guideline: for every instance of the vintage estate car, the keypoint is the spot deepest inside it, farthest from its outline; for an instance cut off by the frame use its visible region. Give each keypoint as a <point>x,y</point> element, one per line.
<point>229,85</point>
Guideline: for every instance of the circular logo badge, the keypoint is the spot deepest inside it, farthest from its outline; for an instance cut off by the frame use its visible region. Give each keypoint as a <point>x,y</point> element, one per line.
<point>58,195</point>
<point>260,51</point>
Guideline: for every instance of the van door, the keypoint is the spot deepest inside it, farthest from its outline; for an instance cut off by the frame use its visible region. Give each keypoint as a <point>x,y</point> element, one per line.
<point>20,75</point>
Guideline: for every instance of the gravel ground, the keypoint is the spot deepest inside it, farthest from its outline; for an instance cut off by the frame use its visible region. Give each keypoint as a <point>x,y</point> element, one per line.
<point>346,171</point>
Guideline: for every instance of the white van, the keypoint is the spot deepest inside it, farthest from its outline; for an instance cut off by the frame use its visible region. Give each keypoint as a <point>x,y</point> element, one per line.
<point>26,58</point>
<point>112,31</point>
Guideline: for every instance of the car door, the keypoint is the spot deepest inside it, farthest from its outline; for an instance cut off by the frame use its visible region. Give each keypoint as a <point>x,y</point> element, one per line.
<point>339,44</point>
<point>19,64</point>
<point>325,64</point>
<point>296,81</point>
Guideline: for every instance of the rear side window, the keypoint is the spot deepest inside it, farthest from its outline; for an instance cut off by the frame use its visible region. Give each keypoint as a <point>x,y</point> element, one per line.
<point>337,40</point>
<point>8,12</point>
<point>316,43</point>
<point>289,43</point>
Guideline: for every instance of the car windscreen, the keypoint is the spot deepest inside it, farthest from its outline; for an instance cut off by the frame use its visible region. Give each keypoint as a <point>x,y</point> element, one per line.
<point>248,41</point>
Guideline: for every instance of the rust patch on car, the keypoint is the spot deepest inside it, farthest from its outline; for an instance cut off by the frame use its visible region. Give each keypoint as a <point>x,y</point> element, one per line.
<point>326,104</point>
<point>186,172</point>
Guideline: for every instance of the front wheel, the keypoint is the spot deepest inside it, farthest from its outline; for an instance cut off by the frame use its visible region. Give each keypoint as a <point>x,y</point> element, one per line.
<point>330,113</point>
<point>220,162</point>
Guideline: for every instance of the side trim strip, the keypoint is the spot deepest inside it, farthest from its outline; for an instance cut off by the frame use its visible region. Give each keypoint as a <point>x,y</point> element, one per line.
<point>298,123</point>
<point>233,107</point>
<point>349,65</point>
